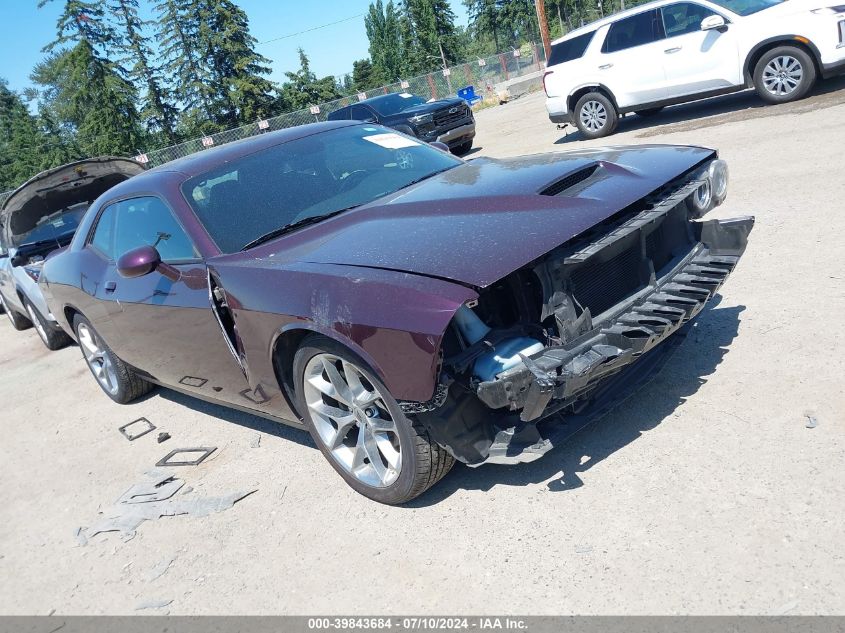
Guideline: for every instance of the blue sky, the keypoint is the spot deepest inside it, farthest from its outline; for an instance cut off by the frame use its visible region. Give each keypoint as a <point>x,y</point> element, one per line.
<point>26,29</point>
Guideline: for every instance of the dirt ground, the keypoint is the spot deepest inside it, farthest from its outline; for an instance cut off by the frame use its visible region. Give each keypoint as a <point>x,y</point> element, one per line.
<point>705,493</point>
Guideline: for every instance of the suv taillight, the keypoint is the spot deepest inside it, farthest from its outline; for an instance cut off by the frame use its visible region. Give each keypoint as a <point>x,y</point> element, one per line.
<point>546,74</point>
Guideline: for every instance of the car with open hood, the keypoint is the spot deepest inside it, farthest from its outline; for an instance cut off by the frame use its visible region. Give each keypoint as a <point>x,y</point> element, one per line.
<point>405,306</point>
<point>40,217</point>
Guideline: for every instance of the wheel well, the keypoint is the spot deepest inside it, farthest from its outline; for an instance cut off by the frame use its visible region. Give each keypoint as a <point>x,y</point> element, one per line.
<point>575,96</point>
<point>70,314</point>
<point>283,352</point>
<point>755,55</point>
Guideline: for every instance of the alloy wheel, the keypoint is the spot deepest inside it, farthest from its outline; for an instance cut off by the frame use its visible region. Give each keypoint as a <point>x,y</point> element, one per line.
<point>593,115</point>
<point>97,358</point>
<point>36,322</point>
<point>352,420</point>
<point>782,75</point>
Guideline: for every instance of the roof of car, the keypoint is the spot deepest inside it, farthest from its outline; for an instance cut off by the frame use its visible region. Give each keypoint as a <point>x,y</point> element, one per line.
<point>610,19</point>
<point>207,159</point>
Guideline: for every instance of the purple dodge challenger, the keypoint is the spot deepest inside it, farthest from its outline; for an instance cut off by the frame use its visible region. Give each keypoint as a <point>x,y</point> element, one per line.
<point>407,307</point>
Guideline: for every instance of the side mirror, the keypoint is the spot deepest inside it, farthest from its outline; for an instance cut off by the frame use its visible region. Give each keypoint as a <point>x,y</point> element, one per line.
<point>138,262</point>
<point>713,22</point>
<point>440,145</point>
<point>370,120</point>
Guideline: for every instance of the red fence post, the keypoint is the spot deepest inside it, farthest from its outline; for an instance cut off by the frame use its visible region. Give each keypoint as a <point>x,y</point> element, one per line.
<point>432,86</point>
<point>504,65</point>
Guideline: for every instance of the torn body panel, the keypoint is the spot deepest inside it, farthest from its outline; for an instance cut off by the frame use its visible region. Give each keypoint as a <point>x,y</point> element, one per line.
<point>601,306</point>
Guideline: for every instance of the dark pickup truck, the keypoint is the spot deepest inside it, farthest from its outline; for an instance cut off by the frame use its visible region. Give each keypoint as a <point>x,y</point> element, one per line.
<point>449,121</point>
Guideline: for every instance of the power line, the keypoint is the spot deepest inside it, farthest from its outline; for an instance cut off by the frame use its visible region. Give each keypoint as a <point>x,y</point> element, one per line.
<point>316,28</point>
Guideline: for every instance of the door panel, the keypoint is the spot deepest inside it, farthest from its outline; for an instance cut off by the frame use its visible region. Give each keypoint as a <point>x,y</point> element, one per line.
<point>631,60</point>
<point>698,61</point>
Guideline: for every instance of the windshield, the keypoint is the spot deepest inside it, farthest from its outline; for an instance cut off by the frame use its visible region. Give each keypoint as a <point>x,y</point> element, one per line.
<point>313,176</point>
<point>395,103</point>
<point>53,227</point>
<point>747,7</point>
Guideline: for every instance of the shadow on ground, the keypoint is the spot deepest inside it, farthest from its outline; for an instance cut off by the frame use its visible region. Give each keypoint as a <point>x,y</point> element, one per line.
<point>720,110</point>
<point>646,408</point>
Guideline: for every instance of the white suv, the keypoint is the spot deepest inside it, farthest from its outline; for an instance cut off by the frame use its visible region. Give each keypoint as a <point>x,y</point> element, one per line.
<point>668,52</point>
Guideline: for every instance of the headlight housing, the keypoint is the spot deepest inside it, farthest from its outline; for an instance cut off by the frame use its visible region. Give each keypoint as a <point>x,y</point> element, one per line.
<point>713,190</point>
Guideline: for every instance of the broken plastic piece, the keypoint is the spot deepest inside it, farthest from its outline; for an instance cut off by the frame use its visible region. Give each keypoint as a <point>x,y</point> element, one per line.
<point>204,451</point>
<point>146,427</point>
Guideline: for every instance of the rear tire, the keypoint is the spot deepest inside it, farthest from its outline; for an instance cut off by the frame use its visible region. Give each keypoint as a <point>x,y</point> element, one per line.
<point>51,337</point>
<point>784,74</point>
<point>462,149</point>
<point>595,115</point>
<point>118,380</point>
<point>19,321</point>
<point>365,437</point>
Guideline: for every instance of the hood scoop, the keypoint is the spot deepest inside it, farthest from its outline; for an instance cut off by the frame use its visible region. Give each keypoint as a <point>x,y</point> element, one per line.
<point>568,182</point>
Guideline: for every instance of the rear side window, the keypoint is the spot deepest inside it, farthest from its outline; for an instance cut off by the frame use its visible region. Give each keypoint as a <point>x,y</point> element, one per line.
<point>570,50</point>
<point>339,115</point>
<point>683,18</point>
<point>643,28</point>
<point>361,113</point>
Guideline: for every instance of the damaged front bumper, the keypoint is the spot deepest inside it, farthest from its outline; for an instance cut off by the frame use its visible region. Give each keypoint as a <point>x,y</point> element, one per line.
<point>563,375</point>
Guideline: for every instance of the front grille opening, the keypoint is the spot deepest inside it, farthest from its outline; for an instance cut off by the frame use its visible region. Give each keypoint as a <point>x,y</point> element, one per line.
<point>558,187</point>
<point>444,117</point>
<point>599,285</point>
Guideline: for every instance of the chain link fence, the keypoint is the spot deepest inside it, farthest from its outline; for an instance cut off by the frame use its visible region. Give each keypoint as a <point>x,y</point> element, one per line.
<point>482,74</point>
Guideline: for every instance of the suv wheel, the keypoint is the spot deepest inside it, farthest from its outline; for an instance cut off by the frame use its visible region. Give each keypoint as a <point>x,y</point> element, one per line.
<point>53,338</point>
<point>595,115</point>
<point>19,321</point>
<point>463,148</point>
<point>784,74</point>
<point>360,428</point>
<point>120,382</point>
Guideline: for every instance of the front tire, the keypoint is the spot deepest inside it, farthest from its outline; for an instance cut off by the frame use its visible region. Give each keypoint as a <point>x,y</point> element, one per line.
<point>784,74</point>
<point>19,321</point>
<point>118,380</point>
<point>360,428</point>
<point>462,149</point>
<point>51,337</point>
<point>595,115</point>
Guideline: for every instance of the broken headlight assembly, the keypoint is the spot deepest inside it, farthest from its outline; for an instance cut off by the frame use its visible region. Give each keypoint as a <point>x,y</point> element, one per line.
<point>713,191</point>
<point>33,272</point>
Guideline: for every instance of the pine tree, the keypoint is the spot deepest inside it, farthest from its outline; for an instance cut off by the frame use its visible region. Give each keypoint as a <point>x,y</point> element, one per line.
<point>385,34</point>
<point>484,18</point>
<point>86,95</point>
<point>189,79</point>
<point>82,20</point>
<point>240,92</point>
<point>304,89</point>
<point>20,140</point>
<point>157,111</point>
<point>364,76</point>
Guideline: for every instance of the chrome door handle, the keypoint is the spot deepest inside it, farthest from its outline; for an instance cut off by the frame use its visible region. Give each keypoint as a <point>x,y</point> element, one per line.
<point>673,50</point>
<point>605,66</point>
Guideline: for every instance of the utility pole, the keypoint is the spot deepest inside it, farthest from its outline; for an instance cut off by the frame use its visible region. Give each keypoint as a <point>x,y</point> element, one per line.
<point>544,27</point>
<point>445,67</point>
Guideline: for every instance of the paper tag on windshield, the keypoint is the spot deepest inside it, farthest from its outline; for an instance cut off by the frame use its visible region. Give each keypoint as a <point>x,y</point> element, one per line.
<point>405,95</point>
<point>391,140</point>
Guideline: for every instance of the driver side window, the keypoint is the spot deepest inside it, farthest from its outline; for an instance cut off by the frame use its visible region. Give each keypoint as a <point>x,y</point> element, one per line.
<point>683,18</point>
<point>137,222</point>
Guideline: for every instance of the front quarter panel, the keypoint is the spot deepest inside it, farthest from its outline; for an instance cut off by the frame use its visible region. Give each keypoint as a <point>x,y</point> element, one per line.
<point>394,321</point>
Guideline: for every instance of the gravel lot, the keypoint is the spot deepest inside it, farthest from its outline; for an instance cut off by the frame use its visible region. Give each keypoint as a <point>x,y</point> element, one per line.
<point>706,493</point>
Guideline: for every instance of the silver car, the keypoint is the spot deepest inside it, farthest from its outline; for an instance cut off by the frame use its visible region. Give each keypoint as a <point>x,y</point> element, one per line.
<point>40,217</point>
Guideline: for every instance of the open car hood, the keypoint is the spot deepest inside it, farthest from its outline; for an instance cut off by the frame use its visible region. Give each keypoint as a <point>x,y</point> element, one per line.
<point>59,188</point>
<point>480,221</point>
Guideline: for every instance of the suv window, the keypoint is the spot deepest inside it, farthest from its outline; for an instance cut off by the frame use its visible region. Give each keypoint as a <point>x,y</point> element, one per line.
<point>643,28</point>
<point>570,50</point>
<point>361,113</point>
<point>683,18</point>
<point>339,115</point>
<point>135,222</point>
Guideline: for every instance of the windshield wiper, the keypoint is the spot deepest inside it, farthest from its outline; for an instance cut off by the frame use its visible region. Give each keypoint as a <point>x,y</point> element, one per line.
<point>311,219</point>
